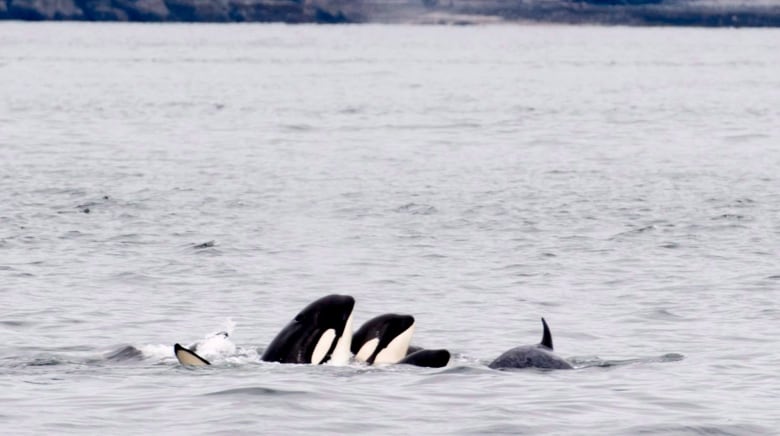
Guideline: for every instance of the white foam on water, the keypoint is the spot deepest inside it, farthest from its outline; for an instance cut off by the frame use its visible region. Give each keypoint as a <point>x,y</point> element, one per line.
<point>157,351</point>
<point>214,347</point>
<point>218,345</point>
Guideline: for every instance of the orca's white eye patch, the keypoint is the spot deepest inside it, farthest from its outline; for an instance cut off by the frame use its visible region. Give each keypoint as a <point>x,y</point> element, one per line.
<point>341,353</point>
<point>323,346</point>
<point>367,350</point>
<point>397,348</point>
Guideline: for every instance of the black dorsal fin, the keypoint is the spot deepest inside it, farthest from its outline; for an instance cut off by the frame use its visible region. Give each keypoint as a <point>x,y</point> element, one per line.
<point>547,336</point>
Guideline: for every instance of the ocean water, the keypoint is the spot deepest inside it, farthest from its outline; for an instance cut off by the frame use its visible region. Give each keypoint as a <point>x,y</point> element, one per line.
<point>159,183</point>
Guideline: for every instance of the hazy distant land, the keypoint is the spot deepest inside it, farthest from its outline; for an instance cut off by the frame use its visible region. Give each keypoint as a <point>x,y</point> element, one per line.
<point>758,13</point>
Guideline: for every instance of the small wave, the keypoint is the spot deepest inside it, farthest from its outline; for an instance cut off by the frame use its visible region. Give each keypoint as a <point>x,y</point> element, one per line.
<point>131,276</point>
<point>699,429</point>
<point>417,209</point>
<point>125,353</point>
<point>664,314</point>
<point>257,391</point>
<point>732,217</point>
<point>351,110</point>
<point>464,369</point>
<point>747,137</point>
<point>737,202</point>
<point>594,361</point>
<point>745,200</point>
<point>45,361</point>
<point>14,323</point>
<point>632,232</point>
<point>297,127</point>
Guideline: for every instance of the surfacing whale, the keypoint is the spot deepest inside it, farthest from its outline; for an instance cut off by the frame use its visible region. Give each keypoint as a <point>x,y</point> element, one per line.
<point>532,356</point>
<point>321,332</point>
<point>383,339</point>
<point>386,339</point>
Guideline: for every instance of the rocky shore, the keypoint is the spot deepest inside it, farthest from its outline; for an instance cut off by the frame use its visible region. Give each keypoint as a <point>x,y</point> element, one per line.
<point>737,13</point>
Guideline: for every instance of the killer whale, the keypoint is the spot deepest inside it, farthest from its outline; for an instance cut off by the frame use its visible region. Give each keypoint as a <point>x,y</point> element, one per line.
<point>532,356</point>
<point>321,332</point>
<point>188,357</point>
<point>427,358</point>
<point>383,339</point>
<point>386,339</point>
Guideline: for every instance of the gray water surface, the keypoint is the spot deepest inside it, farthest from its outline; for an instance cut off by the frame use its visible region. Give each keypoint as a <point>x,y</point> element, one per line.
<point>623,183</point>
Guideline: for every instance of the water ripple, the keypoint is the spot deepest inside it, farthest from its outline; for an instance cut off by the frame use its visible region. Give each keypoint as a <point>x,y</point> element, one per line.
<point>258,391</point>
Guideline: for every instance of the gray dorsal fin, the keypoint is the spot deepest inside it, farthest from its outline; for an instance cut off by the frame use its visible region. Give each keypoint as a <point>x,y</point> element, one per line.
<point>547,336</point>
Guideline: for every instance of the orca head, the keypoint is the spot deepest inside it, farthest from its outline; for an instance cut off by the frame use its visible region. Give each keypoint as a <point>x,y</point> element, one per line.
<point>329,312</point>
<point>383,339</point>
<point>343,305</point>
<point>322,331</point>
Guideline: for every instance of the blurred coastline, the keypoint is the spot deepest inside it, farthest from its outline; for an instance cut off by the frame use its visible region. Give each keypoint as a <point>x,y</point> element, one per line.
<point>709,13</point>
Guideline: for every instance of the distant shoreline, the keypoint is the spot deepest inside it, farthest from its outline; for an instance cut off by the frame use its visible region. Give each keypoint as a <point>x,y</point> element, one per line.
<point>693,13</point>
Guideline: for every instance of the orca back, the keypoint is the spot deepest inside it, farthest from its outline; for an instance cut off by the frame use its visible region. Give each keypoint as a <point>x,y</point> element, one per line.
<point>532,356</point>
<point>428,358</point>
<point>529,356</point>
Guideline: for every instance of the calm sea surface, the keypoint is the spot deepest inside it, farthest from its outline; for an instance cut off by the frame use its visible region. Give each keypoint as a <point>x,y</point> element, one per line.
<point>623,183</point>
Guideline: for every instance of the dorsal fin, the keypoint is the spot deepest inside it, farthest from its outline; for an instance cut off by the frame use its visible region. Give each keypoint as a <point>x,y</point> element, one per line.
<point>546,336</point>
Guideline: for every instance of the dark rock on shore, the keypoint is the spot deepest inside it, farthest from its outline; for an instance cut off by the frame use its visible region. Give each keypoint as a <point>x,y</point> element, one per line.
<point>144,10</point>
<point>289,11</point>
<point>43,10</point>
<point>735,13</point>
<point>624,12</point>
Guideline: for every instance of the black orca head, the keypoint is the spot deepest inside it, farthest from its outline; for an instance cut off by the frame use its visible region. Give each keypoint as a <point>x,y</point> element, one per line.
<point>329,312</point>
<point>390,332</point>
<point>321,329</point>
